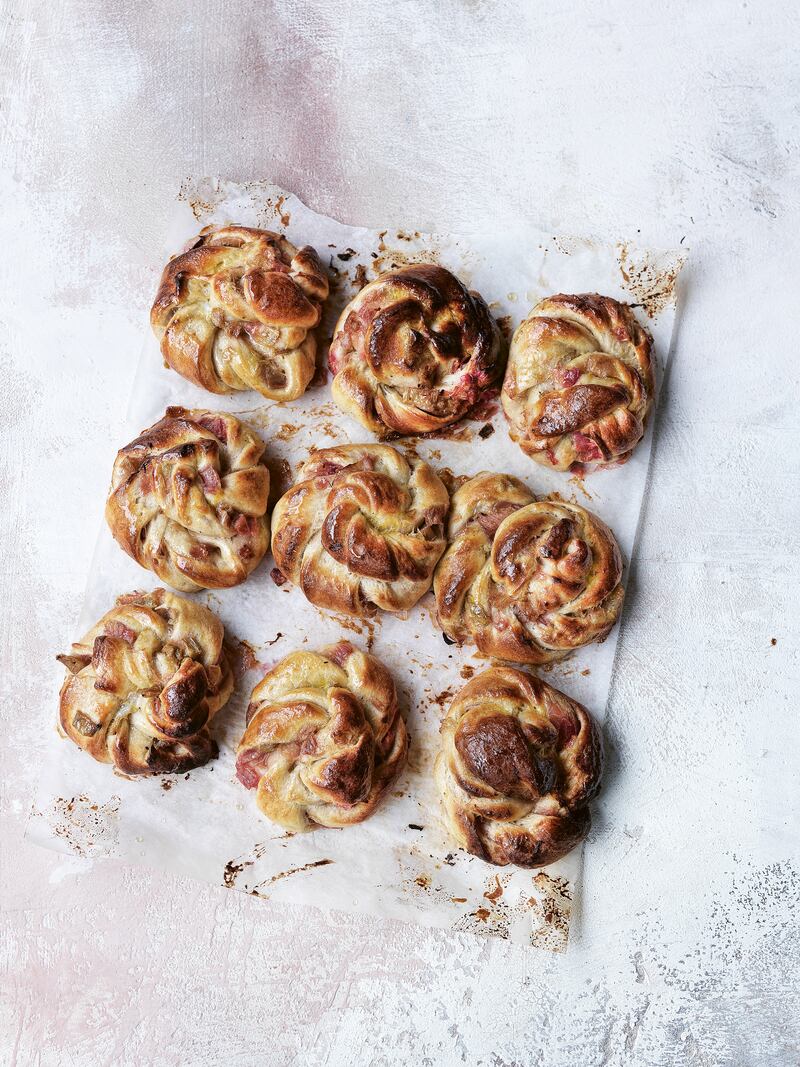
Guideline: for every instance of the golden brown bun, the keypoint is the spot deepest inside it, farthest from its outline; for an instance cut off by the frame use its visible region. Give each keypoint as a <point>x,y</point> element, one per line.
<point>235,312</point>
<point>362,529</point>
<point>519,764</point>
<point>525,580</point>
<point>144,683</point>
<point>188,500</point>
<point>324,738</point>
<point>579,382</point>
<point>413,352</point>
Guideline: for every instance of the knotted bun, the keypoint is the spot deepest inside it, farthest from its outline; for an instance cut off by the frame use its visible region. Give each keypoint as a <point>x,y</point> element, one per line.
<point>525,580</point>
<point>363,528</point>
<point>144,683</point>
<point>579,382</point>
<point>188,499</point>
<point>413,351</point>
<point>518,765</point>
<point>324,738</point>
<point>235,312</point>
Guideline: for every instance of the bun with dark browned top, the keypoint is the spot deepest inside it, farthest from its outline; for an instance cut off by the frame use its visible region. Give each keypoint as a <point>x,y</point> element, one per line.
<point>413,352</point>
<point>188,499</point>
<point>144,683</point>
<point>362,529</point>
<point>324,738</point>
<point>525,580</point>
<point>236,312</point>
<point>519,763</point>
<point>579,382</point>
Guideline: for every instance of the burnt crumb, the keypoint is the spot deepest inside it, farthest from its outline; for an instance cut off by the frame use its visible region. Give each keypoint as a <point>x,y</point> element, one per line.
<point>506,327</point>
<point>280,479</point>
<point>166,785</point>
<point>233,868</point>
<point>486,431</point>
<point>245,656</point>
<point>449,859</point>
<point>275,639</point>
<point>360,278</point>
<point>321,373</point>
<point>347,254</point>
<point>231,873</point>
<point>773,641</point>
<point>415,826</point>
<point>448,640</point>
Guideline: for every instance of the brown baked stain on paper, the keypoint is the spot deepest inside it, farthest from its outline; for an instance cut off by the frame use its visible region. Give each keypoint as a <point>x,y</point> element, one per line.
<point>287,874</point>
<point>650,278</point>
<point>86,827</point>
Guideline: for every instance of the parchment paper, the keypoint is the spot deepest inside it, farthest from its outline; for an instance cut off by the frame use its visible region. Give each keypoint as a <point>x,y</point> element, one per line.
<point>400,862</point>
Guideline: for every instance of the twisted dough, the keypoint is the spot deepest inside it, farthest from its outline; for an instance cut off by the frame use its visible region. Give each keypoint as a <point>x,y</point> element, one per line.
<point>579,382</point>
<point>324,738</point>
<point>362,529</point>
<point>235,311</point>
<point>525,580</point>
<point>188,499</point>
<point>518,766</point>
<point>413,351</point>
<point>144,683</point>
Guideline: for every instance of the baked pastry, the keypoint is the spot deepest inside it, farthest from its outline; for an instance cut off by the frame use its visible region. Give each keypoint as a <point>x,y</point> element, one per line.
<point>236,312</point>
<point>579,382</point>
<point>362,529</point>
<point>144,683</point>
<point>324,738</point>
<point>525,580</point>
<point>518,765</point>
<point>188,499</point>
<point>413,351</point>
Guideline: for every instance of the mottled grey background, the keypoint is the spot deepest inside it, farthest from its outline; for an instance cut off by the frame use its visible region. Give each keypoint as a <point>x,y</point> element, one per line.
<point>665,122</point>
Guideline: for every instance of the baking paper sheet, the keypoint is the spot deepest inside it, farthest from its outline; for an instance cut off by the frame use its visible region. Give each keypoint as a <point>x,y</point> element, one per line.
<point>400,862</point>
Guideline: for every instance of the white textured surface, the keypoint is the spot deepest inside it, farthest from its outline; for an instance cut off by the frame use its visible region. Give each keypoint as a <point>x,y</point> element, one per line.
<point>627,119</point>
